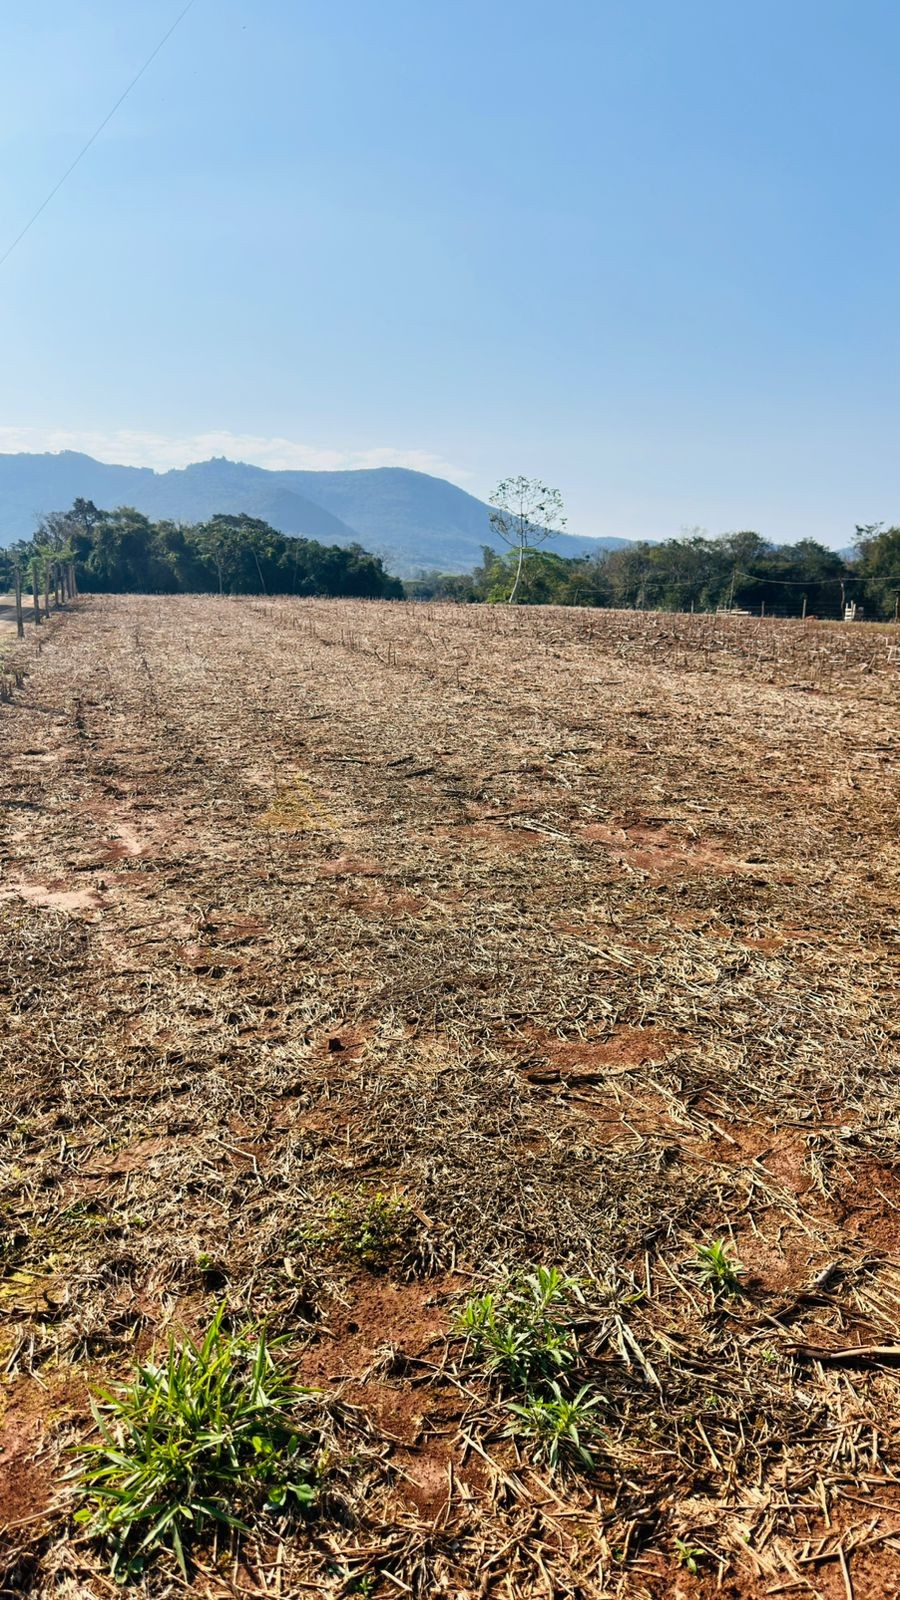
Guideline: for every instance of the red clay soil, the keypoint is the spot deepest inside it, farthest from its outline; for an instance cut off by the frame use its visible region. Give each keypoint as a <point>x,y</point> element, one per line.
<point>30,1423</point>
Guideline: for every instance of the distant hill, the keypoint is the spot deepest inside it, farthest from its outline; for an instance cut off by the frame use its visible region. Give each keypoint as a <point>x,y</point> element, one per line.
<point>412,520</point>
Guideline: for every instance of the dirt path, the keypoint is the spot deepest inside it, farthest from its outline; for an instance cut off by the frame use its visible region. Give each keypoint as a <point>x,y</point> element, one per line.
<point>588,956</point>
<point>8,615</point>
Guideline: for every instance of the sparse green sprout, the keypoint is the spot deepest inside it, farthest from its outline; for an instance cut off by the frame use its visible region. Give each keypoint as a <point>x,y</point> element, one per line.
<point>523,1332</point>
<point>364,1585</point>
<point>688,1556</point>
<point>213,1271</point>
<point>560,1428</point>
<point>214,1432</point>
<point>718,1271</point>
<point>374,1230</point>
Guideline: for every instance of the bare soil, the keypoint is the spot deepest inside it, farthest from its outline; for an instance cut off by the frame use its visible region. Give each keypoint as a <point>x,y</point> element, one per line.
<point>578,931</point>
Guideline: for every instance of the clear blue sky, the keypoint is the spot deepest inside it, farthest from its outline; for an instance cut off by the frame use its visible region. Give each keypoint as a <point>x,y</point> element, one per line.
<point>647,250</point>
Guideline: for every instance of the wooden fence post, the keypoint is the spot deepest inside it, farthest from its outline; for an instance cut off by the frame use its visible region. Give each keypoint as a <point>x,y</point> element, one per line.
<point>35,596</point>
<point>46,588</point>
<point>20,620</point>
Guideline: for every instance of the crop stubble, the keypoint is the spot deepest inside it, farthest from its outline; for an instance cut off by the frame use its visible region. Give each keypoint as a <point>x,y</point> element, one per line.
<point>578,930</point>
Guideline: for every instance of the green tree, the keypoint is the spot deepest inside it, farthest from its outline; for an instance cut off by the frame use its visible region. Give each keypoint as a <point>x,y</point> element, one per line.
<point>124,555</point>
<point>878,565</point>
<point>628,572</point>
<point>244,552</point>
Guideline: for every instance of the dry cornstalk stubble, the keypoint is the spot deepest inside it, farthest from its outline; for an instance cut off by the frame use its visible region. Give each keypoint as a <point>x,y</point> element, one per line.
<point>356,956</point>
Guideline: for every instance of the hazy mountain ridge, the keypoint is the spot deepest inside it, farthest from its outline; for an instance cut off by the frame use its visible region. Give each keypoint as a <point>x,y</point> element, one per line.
<point>411,519</point>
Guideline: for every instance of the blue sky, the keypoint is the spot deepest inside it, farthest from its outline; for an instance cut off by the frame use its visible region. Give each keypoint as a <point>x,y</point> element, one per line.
<point>646,250</point>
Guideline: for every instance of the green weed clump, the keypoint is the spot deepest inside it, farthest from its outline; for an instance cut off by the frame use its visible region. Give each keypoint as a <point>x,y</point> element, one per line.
<point>718,1271</point>
<point>557,1424</point>
<point>203,1439</point>
<point>376,1230</point>
<point>523,1333</point>
<point>523,1336</point>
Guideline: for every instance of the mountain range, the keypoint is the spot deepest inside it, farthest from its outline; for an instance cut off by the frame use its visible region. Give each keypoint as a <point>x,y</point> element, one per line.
<point>412,520</point>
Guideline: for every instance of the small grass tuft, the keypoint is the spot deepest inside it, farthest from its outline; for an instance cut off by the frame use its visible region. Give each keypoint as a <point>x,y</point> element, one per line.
<point>718,1271</point>
<point>204,1438</point>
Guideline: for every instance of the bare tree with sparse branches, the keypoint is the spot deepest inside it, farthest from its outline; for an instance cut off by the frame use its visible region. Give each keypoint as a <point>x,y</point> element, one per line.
<point>525,514</point>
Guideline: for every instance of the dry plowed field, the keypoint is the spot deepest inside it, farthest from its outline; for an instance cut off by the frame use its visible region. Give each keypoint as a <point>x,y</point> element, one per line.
<point>530,938</point>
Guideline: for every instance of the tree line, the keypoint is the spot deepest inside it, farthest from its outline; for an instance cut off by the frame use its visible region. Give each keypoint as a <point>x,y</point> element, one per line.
<point>123,552</point>
<point>742,571</point>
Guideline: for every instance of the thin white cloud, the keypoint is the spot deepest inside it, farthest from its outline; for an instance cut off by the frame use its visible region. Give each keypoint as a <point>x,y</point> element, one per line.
<point>133,448</point>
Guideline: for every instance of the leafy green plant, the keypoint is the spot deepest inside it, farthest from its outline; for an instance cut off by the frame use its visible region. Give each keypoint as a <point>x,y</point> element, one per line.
<point>560,1427</point>
<point>203,1438</point>
<point>523,1333</point>
<point>718,1271</point>
<point>688,1556</point>
<point>373,1230</point>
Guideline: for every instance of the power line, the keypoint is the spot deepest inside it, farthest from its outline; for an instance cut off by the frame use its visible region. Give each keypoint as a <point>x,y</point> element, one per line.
<point>660,578</point>
<point>796,583</point>
<point>95,135</point>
